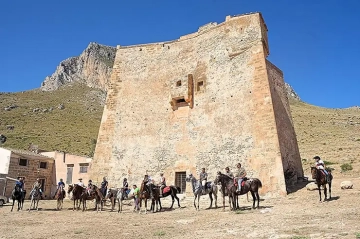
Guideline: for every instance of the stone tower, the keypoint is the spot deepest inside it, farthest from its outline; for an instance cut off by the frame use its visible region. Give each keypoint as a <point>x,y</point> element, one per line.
<point>209,99</point>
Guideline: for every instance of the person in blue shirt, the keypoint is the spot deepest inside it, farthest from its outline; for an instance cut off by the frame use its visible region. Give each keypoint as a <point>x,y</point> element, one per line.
<point>20,183</point>
<point>60,185</point>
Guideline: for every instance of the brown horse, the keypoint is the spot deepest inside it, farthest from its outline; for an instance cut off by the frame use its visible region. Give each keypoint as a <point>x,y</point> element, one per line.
<point>320,178</point>
<point>59,196</point>
<point>95,194</point>
<point>77,192</point>
<point>228,186</point>
<point>145,195</point>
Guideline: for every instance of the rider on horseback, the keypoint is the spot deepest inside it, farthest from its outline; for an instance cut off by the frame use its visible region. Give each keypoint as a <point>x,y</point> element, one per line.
<point>203,179</point>
<point>20,183</point>
<point>88,189</point>
<point>228,172</point>
<point>240,175</point>
<point>319,164</point>
<point>37,185</point>
<point>60,186</point>
<point>162,183</point>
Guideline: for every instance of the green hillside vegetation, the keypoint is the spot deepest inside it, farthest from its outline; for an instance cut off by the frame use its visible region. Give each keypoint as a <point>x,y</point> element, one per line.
<point>333,134</point>
<point>37,119</point>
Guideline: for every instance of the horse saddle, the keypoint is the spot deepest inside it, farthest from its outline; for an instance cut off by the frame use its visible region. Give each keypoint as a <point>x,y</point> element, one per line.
<point>242,183</point>
<point>166,189</point>
<point>207,185</point>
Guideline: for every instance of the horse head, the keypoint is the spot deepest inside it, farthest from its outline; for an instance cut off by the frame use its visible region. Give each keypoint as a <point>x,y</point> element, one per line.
<point>70,188</point>
<point>189,178</point>
<point>314,172</point>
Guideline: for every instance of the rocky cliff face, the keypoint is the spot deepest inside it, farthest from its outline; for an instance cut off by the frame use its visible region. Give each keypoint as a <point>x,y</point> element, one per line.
<point>93,68</point>
<point>291,92</point>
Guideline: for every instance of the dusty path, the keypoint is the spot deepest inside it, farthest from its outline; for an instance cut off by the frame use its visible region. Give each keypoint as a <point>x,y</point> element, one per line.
<point>299,215</point>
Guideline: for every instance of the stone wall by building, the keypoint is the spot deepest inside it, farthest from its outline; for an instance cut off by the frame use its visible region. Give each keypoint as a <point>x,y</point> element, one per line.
<point>205,100</point>
<point>30,166</point>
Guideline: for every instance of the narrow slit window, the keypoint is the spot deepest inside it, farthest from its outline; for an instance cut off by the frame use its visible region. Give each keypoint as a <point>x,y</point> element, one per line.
<point>200,86</point>
<point>178,83</point>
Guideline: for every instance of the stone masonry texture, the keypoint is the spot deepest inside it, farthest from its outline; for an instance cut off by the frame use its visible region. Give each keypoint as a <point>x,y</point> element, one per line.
<point>209,99</point>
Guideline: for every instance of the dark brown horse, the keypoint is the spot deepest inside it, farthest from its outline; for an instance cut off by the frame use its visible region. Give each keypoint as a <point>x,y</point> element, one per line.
<point>77,192</point>
<point>59,196</point>
<point>172,192</point>
<point>18,195</point>
<point>320,178</point>
<point>95,194</point>
<point>228,186</point>
<point>145,195</point>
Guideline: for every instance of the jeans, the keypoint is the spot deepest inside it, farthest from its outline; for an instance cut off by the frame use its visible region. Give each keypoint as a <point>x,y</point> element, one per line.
<point>136,202</point>
<point>326,172</point>
<point>239,183</point>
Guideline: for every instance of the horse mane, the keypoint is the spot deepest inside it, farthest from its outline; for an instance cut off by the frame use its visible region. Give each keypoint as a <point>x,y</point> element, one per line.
<point>224,175</point>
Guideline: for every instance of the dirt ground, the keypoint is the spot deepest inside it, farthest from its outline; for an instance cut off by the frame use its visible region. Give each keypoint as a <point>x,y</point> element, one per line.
<point>299,215</point>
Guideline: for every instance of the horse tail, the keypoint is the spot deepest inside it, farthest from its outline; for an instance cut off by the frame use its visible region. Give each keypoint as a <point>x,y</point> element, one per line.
<point>258,182</point>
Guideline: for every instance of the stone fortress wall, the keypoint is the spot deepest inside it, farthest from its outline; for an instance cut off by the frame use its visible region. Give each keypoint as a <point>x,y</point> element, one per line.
<point>209,99</point>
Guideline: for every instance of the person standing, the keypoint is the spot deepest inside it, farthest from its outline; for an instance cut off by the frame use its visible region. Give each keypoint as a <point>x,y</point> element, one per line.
<point>136,194</point>
<point>104,186</point>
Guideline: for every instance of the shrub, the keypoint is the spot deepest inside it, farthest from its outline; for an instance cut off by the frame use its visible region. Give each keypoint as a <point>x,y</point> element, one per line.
<point>328,162</point>
<point>346,167</point>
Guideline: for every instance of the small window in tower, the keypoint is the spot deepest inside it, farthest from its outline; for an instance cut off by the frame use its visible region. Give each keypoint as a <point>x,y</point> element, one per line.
<point>200,86</point>
<point>178,83</point>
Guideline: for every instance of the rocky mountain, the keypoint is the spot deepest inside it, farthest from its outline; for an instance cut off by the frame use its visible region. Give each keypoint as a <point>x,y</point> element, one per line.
<point>93,67</point>
<point>291,92</point>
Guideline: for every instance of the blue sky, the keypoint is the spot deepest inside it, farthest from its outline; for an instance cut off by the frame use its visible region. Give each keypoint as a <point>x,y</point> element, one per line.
<point>316,43</point>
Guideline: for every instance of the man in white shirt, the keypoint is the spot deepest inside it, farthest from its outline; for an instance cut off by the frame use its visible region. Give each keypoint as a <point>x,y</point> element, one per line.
<point>319,164</point>
<point>80,183</point>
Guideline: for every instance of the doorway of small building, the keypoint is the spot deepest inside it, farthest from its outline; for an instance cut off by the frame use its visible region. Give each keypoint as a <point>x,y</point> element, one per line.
<point>180,181</point>
<point>42,181</point>
<point>69,173</point>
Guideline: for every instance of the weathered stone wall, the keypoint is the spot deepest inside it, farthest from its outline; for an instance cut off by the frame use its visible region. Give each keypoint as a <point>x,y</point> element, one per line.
<point>31,172</point>
<point>285,127</point>
<point>201,101</point>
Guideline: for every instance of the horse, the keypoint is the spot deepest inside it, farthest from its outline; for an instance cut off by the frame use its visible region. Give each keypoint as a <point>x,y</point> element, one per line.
<point>145,195</point>
<point>197,189</point>
<point>320,178</point>
<point>77,192</point>
<point>228,185</point>
<point>119,195</point>
<point>173,190</point>
<point>95,194</point>
<point>19,196</point>
<point>34,198</point>
<point>59,196</point>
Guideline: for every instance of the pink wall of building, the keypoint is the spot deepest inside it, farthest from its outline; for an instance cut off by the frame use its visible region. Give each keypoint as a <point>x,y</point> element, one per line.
<point>70,167</point>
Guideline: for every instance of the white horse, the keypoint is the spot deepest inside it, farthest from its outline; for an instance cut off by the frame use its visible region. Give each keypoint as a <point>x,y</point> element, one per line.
<point>34,197</point>
<point>119,196</point>
<point>198,191</point>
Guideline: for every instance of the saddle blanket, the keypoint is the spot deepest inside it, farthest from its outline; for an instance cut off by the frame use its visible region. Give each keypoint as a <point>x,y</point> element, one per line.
<point>166,189</point>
